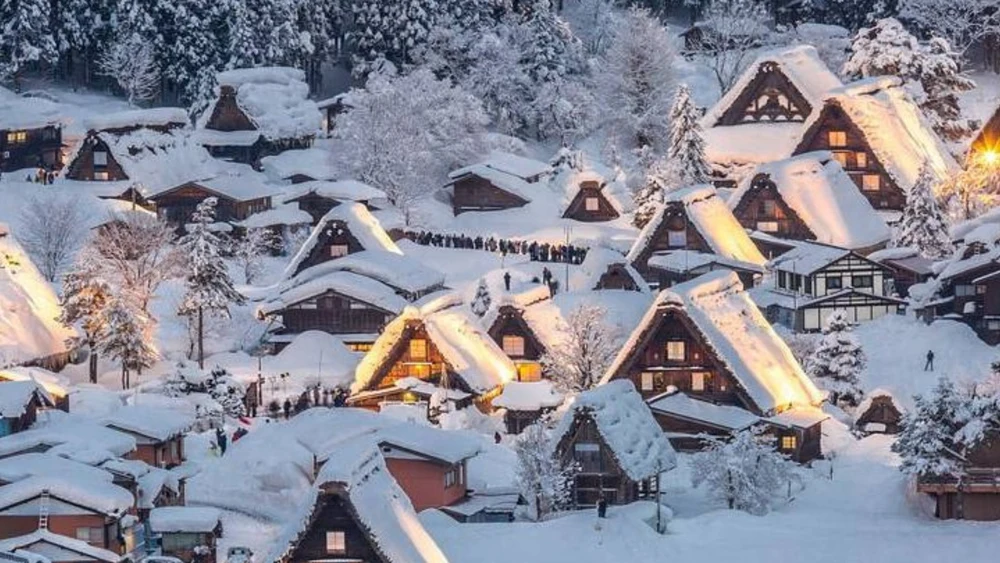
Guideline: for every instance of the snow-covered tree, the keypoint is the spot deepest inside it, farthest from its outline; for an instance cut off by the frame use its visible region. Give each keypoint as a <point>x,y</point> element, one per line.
<point>127,338</point>
<point>962,22</point>
<point>593,23</point>
<point>404,133</point>
<point>250,249</point>
<point>207,282</point>
<point>564,109</point>
<point>85,297</point>
<point>927,440</point>
<point>498,79</point>
<point>931,72</point>
<point>838,361</point>
<point>25,37</point>
<point>52,228</point>
<point>923,225</point>
<point>131,62</point>
<point>973,190</point>
<point>219,384</point>
<point>746,473</point>
<point>137,254</point>
<point>547,45</point>
<point>733,29</point>
<point>543,481</point>
<point>648,197</point>
<point>588,348</point>
<point>636,79</point>
<point>482,300</point>
<point>686,150</point>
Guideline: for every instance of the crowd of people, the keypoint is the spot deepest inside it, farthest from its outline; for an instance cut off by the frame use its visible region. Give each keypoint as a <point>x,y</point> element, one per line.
<point>537,252</point>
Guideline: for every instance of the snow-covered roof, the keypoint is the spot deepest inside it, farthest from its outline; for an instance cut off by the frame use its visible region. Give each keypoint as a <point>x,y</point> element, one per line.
<point>395,270</point>
<point>68,433</point>
<point>191,519</point>
<point>627,426</point>
<point>727,417</point>
<point>361,224</point>
<point>892,123</point>
<point>23,556</point>
<point>35,542</point>
<point>55,385</point>
<point>16,395</point>
<point>467,348</point>
<point>282,214</point>
<point>314,162</point>
<point>740,145</point>
<point>596,264</point>
<point>18,467</point>
<point>737,332</point>
<point>213,138</point>
<point>569,180</point>
<point>150,421</point>
<point>687,261</point>
<point>275,99</point>
<point>509,164</point>
<point>449,447</point>
<point>870,397</point>
<point>799,417</point>
<point>822,194</point>
<point>152,483</point>
<point>19,112</point>
<point>29,308</point>
<point>349,284</point>
<point>502,180</point>
<point>93,494</point>
<point>960,230</point>
<point>801,64</point>
<point>341,190</point>
<point>528,396</point>
<point>805,258</point>
<point>713,220</point>
<point>154,117</point>
<point>548,318</point>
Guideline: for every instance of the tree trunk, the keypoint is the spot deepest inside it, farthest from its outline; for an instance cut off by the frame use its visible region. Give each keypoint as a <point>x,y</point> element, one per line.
<point>124,372</point>
<point>93,364</point>
<point>201,338</point>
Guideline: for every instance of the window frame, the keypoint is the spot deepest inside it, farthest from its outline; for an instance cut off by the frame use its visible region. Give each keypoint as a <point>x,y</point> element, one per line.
<point>100,158</point>
<point>840,136</point>
<point>671,347</point>
<point>339,250</point>
<point>339,546</point>
<point>789,442</point>
<point>418,344</point>
<point>866,187</point>
<point>591,203</point>
<point>830,285</point>
<point>857,285</point>
<point>516,348</point>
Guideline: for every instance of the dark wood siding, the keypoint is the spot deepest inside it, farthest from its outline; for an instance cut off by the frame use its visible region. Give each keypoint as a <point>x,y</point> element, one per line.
<point>510,322</point>
<point>227,115</point>
<point>333,514</point>
<point>762,207</point>
<point>770,96</point>
<point>674,219</point>
<point>334,234</point>
<point>84,168</point>
<point>881,411</point>
<point>315,205</point>
<point>473,193</point>
<point>178,205</point>
<point>577,209</point>
<point>30,148</point>
<point>335,314</point>
<point>617,277</point>
<point>600,476</point>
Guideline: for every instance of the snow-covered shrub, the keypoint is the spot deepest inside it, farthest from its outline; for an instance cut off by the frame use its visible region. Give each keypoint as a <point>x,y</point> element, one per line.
<point>923,225</point>
<point>838,360</point>
<point>218,384</point>
<point>544,482</point>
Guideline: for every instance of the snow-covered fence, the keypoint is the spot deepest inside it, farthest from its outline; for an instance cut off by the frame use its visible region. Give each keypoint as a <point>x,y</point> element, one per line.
<point>537,251</point>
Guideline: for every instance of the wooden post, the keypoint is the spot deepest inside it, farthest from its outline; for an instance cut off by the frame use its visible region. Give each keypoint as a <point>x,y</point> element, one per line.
<point>201,338</point>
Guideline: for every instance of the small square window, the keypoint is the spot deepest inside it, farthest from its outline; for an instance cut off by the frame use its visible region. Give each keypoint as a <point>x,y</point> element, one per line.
<point>677,239</point>
<point>861,159</point>
<point>767,226</point>
<point>17,137</point>
<point>675,350</point>
<point>788,443</point>
<point>861,281</point>
<point>529,371</point>
<point>871,182</point>
<point>842,158</point>
<point>513,346</point>
<point>592,204</point>
<point>834,282</point>
<point>101,175</point>
<point>418,349</point>
<point>336,542</point>
<point>698,380</point>
<point>837,138</point>
<point>338,250</point>
<point>100,158</point>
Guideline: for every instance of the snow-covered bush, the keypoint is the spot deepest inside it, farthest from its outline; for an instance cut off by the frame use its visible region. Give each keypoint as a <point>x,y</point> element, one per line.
<point>543,481</point>
<point>218,383</point>
<point>686,149</point>
<point>482,300</point>
<point>838,361</point>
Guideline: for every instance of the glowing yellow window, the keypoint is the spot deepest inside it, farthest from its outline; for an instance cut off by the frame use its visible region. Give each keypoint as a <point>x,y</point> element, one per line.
<point>841,157</point>
<point>871,182</point>
<point>14,137</point>
<point>837,138</point>
<point>788,442</point>
<point>418,349</point>
<point>513,346</point>
<point>420,371</point>
<point>529,372</point>
<point>861,159</point>
<point>675,350</point>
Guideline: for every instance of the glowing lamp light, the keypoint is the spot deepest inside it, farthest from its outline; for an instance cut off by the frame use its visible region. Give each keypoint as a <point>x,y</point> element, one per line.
<point>991,157</point>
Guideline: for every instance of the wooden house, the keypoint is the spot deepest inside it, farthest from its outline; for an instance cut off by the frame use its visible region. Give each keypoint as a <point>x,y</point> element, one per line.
<point>878,413</point>
<point>318,197</point>
<point>688,422</point>
<point>592,192</point>
<point>503,181</point>
<point>333,107</point>
<point>618,447</point>
<point>875,130</point>
<point>117,145</point>
<point>30,133</point>
<point>694,233</point>
<point>188,533</point>
<point>238,197</point>
<point>56,385</point>
<point>525,402</point>
<point>975,495</point>
<point>907,265</point>
<point>430,466</point>
<point>508,327</point>
<point>986,145</point>
<point>707,339</point>
<point>344,230</point>
<point>771,100</point>
<point>809,197</point>
<point>259,112</point>
<point>439,342</point>
<point>606,269</point>
<point>58,548</point>
<point>159,433</point>
<point>68,505</point>
<point>813,280</point>
<point>20,402</point>
<point>300,166</point>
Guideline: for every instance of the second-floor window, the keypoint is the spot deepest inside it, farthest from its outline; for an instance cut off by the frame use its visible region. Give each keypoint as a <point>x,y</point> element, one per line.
<point>418,349</point>
<point>675,350</point>
<point>677,238</point>
<point>834,282</point>
<point>592,204</point>
<point>837,138</point>
<point>871,182</point>
<point>100,158</point>
<point>338,250</point>
<point>92,535</point>
<point>861,159</point>
<point>588,455</point>
<point>17,137</point>
<point>513,345</point>
<point>969,290</point>
<point>336,542</point>
<point>861,282</point>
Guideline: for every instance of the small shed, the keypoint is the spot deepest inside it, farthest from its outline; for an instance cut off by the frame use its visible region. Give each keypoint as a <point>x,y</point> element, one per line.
<point>19,405</point>
<point>879,413</point>
<point>186,532</point>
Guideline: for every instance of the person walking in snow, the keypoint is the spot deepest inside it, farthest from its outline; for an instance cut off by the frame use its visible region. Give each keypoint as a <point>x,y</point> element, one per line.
<point>506,280</point>
<point>546,275</point>
<point>288,408</point>
<point>220,438</point>
<point>602,507</point>
<point>929,365</point>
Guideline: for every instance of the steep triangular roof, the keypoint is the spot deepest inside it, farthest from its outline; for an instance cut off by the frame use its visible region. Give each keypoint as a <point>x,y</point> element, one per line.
<point>359,222</point>
<point>274,99</point>
<point>988,138</point>
<point>735,331</point>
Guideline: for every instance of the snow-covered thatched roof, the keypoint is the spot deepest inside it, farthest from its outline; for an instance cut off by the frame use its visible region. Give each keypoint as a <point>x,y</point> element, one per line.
<point>45,541</point>
<point>801,64</point>
<point>65,433</point>
<point>529,396</point>
<point>681,405</point>
<point>822,194</point>
<point>893,125</point>
<point>361,224</point>
<point>18,467</point>
<point>275,99</point>
<point>282,214</point>
<point>29,308</point>
<point>511,173</point>
<point>713,220</point>
<point>623,420</point>
<point>341,190</point>
<point>407,275</point>
<point>870,397</point>
<point>449,447</point>
<point>187,519</point>
<point>735,330</point>
<point>469,351</point>
<point>98,496</point>
<point>597,263</point>
<point>16,395</point>
<point>313,162</point>
<point>568,180</point>
<point>348,284</point>
<point>153,422</point>
<point>137,118</point>
<point>19,112</point>
<point>548,318</point>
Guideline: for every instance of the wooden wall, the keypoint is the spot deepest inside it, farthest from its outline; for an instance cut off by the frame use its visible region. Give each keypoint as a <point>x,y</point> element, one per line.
<point>472,193</point>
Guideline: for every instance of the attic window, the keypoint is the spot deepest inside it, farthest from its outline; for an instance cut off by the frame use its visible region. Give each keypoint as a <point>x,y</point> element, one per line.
<point>675,350</point>
<point>588,455</point>
<point>513,346</point>
<point>842,158</point>
<point>17,137</point>
<point>418,349</point>
<point>338,250</point>
<point>592,204</point>
<point>102,175</point>
<point>871,182</point>
<point>336,542</point>
<point>837,138</point>
<point>861,159</point>
<point>100,158</point>
<point>767,226</point>
<point>677,238</point>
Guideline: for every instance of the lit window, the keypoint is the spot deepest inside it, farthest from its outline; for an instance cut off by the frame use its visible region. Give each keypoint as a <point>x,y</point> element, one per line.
<point>359,346</point>
<point>788,442</point>
<point>837,138</point>
<point>677,239</point>
<point>980,289</point>
<point>336,542</point>
<point>418,349</point>
<point>841,157</point>
<point>17,137</point>
<point>338,250</point>
<point>675,350</point>
<point>100,158</point>
<point>767,226</point>
<point>861,159</point>
<point>698,381</point>
<point>101,175</point>
<point>529,372</point>
<point>647,381</point>
<point>419,371</point>
<point>871,182</point>
<point>592,204</point>
<point>513,345</point>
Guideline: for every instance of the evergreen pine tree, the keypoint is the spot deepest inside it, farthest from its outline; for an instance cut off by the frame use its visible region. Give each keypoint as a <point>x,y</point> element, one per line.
<point>548,48</point>
<point>209,287</point>
<point>25,36</point>
<point>85,298</point>
<point>127,339</point>
<point>482,301</point>
<point>686,151</point>
<point>923,225</point>
<point>649,196</point>
<point>838,361</point>
<point>926,442</point>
